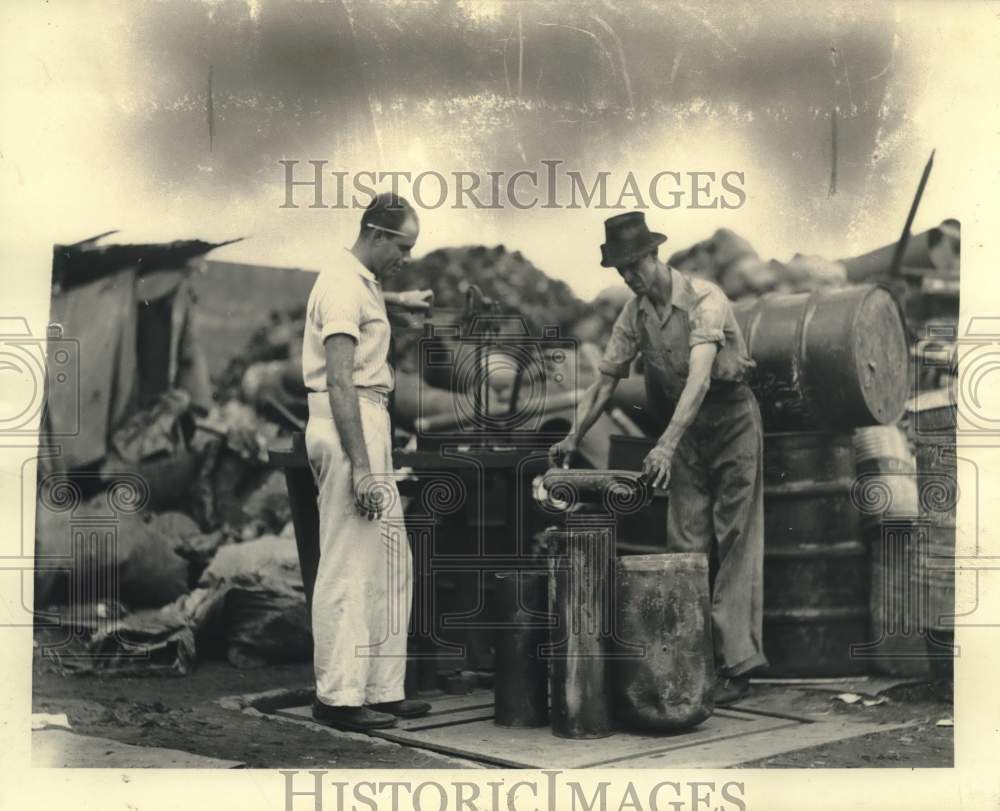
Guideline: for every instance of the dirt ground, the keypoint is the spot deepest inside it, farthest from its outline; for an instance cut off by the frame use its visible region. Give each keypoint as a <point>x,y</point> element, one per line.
<point>183,713</point>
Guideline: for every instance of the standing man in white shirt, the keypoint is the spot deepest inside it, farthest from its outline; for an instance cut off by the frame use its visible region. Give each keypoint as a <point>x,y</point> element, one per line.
<point>362,595</point>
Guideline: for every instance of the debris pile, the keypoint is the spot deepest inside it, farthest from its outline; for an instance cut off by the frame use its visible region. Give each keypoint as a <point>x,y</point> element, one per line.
<point>200,557</point>
<point>730,261</point>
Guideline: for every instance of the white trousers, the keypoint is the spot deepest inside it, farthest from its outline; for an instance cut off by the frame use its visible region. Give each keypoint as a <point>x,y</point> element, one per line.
<point>361,600</point>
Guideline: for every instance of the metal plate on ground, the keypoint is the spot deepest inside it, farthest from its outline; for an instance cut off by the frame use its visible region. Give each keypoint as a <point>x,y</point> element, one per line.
<point>868,686</point>
<point>745,748</point>
<point>446,710</point>
<point>463,726</point>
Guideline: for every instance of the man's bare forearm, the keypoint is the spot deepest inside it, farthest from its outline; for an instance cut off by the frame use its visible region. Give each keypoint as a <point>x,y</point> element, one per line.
<point>688,404</point>
<point>347,418</point>
<point>595,400</point>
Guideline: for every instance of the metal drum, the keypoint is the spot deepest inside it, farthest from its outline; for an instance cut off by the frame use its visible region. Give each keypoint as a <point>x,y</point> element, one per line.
<point>521,688</point>
<point>664,671</point>
<point>816,569</point>
<point>934,426</point>
<point>885,493</point>
<point>835,358</point>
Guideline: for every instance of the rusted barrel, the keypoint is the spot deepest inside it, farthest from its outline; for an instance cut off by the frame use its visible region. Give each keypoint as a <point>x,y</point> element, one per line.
<point>521,688</point>
<point>832,359</point>
<point>663,608</point>
<point>816,569</point>
<point>934,426</point>
<point>885,493</point>
<point>580,579</point>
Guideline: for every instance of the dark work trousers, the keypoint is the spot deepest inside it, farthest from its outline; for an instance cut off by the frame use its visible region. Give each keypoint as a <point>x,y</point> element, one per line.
<point>717,506</point>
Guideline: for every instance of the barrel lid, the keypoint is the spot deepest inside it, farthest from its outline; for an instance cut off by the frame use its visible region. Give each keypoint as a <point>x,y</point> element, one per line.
<point>881,355</point>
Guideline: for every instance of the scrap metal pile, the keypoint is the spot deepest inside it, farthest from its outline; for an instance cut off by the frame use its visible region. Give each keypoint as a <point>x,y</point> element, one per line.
<point>199,553</point>
<point>147,473</point>
<point>168,466</point>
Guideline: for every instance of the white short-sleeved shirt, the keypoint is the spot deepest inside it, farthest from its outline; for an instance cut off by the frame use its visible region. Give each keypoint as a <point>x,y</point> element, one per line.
<point>347,299</point>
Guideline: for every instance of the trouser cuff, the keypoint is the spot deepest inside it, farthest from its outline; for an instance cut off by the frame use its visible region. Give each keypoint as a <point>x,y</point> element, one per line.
<point>744,667</point>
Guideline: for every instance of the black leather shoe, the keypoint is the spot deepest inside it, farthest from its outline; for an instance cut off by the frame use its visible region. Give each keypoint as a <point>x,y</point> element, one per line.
<point>406,708</point>
<point>352,719</point>
<point>730,689</point>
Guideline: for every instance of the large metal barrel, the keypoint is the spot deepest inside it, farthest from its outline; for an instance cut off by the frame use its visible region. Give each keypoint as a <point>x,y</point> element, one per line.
<point>664,671</point>
<point>885,493</point>
<point>521,688</point>
<point>816,570</point>
<point>832,359</point>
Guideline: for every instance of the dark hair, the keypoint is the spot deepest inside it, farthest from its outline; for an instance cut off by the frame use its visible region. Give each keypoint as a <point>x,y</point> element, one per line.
<point>386,210</point>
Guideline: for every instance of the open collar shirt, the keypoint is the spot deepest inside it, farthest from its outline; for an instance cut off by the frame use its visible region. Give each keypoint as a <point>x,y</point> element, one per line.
<point>347,299</point>
<point>699,312</point>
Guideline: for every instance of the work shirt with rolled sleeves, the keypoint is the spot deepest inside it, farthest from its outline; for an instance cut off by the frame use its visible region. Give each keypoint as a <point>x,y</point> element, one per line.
<point>699,313</point>
<point>716,480</point>
<point>347,299</point>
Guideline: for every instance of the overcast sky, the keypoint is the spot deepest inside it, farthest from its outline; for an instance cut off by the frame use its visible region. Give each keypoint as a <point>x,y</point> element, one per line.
<point>105,121</point>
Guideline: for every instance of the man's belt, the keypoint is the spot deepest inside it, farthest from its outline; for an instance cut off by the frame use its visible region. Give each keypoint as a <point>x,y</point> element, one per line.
<point>319,401</point>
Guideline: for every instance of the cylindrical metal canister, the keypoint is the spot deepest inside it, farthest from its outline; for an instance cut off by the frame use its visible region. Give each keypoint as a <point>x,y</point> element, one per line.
<point>664,671</point>
<point>885,494</point>
<point>835,358</point>
<point>934,426</point>
<point>886,471</point>
<point>816,569</point>
<point>520,686</point>
<point>580,580</point>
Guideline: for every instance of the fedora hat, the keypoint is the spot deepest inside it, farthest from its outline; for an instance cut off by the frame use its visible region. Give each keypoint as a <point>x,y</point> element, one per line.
<point>626,238</point>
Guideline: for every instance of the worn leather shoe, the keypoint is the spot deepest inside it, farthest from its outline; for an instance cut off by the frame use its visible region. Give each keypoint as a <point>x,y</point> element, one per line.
<point>730,689</point>
<point>352,719</point>
<point>406,708</point>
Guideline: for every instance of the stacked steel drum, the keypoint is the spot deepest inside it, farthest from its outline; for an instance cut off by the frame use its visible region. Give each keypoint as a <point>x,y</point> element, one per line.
<point>844,568</point>
<point>859,539</point>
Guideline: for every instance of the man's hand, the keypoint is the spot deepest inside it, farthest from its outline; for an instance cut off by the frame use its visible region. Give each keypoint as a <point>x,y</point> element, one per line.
<point>367,495</point>
<point>656,466</point>
<point>560,453</point>
<point>415,301</point>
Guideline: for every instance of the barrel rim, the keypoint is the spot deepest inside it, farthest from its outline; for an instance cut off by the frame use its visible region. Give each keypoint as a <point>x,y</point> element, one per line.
<point>697,560</point>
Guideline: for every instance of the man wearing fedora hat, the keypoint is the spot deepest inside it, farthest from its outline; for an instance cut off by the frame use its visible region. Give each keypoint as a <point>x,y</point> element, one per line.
<point>710,451</point>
